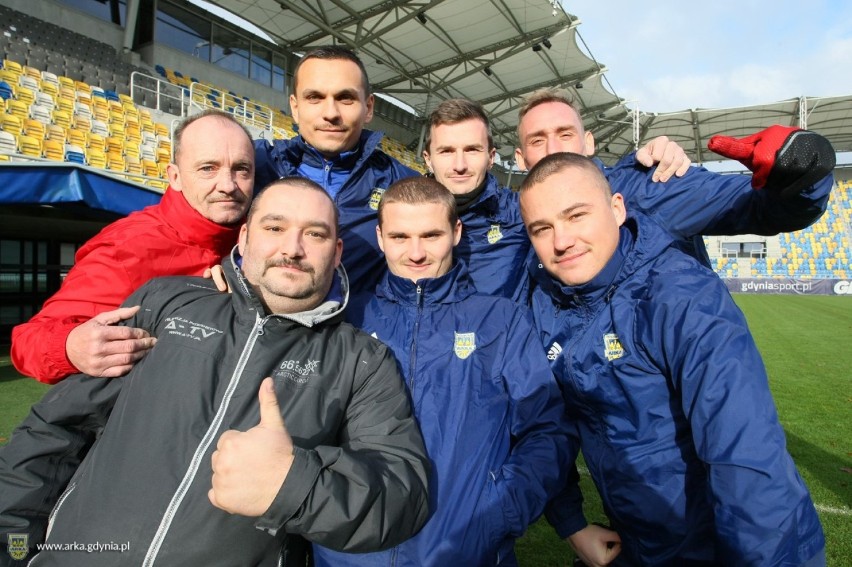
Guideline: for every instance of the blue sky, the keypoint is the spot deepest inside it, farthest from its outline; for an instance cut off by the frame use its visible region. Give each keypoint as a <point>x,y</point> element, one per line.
<point>672,55</point>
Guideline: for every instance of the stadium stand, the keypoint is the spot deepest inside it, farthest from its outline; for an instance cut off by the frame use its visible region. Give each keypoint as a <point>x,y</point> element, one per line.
<point>818,252</point>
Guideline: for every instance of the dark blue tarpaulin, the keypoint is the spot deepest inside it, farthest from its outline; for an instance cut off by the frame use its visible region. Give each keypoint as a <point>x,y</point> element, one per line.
<point>63,183</point>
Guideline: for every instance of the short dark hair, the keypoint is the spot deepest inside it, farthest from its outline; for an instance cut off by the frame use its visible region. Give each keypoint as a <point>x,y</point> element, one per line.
<point>331,53</point>
<point>453,111</point>
<point>302,182</point>
<point>417,190</point>
<point>554,163</point>
<point>184,124</point>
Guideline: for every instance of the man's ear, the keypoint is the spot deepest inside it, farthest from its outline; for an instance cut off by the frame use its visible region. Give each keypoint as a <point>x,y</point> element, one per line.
<point>491,153</point>
<point>618,208</point>
<point>379,238</point>
<point>589,144</point>
<point>370,102</point>
<point>519,159</point>
<point>173,175</point>
<point>457,232</point>
<point>294,108</point>
<point>338,254</point>
<point>241,240</point>
<point>428,161</point>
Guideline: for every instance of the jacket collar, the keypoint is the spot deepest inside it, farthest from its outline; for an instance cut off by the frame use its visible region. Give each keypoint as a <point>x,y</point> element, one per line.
<point>299,151</point>
<point>194,228</point>
<point>488,203</point>
<point>330,308</point>
<point>452,287</point>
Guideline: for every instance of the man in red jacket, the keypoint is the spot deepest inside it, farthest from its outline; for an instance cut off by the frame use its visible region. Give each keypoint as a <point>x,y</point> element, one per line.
<point>196,223</point>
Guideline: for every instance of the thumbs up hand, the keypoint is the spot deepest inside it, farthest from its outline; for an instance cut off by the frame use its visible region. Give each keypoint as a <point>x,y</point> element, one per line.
<point>250,467</point>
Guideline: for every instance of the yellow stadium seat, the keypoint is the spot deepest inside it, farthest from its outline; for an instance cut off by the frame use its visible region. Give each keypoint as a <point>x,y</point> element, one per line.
<point>81,122</point>
<point>9,77</point>
<point>131,150</point>
<point>114,145</point>
<point>77,137</point>
<point>33,128</point>
<point>26,95</point>
<point>18,108</point>
<point>13,66</point>
<point>12,124</point>
<point>115,161</point>
<point>97,142</point>
<point>62,118</point>
<point>54,149</point>
<point>30,146</point>
<point>149,168</point>
<point>56,132</point>
<point>96,158</point>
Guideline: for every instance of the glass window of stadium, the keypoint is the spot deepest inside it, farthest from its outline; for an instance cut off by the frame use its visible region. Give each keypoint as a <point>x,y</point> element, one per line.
<point>101,9</point>
<point>197,34</point>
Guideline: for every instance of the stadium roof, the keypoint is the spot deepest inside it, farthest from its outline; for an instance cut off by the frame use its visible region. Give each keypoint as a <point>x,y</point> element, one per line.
<point>495,51</point>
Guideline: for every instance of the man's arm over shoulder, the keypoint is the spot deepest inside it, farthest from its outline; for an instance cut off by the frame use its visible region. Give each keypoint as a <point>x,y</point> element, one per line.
<point>542,450</point>
<point>792,197</point>
<point>370,492</point>
<point>46,449</point>
<point>98,282</point>
<point>724,393</point>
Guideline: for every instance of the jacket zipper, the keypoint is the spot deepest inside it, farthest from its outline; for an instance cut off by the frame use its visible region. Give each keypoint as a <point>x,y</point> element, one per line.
<point>56,508</point>
<point>206,441</point>
<point>413,354</point>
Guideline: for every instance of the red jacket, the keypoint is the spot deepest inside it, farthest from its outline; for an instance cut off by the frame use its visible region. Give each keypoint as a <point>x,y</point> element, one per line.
<point>170,238</point>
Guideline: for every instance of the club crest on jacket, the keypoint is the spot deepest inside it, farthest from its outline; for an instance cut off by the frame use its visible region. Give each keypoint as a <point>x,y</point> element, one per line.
<point>465,344</point>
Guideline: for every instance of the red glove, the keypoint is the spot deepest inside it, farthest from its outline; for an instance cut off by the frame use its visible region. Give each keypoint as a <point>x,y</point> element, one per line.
<point>784,159</point>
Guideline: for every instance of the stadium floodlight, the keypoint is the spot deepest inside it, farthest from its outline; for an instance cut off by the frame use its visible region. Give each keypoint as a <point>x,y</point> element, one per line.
<point>546,43</point>
<point>421,17</point>
<point>537,47</point>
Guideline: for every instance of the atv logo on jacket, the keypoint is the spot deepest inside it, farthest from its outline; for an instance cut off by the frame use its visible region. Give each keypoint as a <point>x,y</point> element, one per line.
<point>189,329</point>
<point>494,234</point>
<point>296,372</point>
<point>376,197</point>
<point>465,344</point>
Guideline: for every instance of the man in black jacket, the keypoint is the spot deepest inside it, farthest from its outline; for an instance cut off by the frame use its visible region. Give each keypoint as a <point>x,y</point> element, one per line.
<point>188,468</point>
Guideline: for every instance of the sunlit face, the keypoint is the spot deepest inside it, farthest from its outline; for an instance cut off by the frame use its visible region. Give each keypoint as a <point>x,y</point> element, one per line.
<point>215,169</point>
<point>572,224</point>
<point>549,128</point>
<point>330,105</point>
<point>290,248</point>
<point>459,155</point>
<point>417,239</point>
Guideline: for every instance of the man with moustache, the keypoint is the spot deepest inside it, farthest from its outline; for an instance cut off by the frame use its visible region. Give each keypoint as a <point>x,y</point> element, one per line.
<point>195,224</point>
<point>192,463</point>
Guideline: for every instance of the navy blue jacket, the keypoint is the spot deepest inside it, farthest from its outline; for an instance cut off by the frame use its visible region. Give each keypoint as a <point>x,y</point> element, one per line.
<point>368,171</point>
<point>489,409</point>
<point>670,401</point>
<point>494,243</point>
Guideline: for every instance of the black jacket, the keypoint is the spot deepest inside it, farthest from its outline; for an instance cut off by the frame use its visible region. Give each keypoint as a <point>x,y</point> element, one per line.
<point>358,481</point>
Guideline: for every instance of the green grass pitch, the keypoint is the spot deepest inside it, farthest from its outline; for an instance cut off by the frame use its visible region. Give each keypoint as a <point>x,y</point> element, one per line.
<point>806,342</point>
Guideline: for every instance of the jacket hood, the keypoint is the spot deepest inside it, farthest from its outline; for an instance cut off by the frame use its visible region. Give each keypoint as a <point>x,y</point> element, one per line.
<point>452,287</point>
<point>640,241</point>
<point>330,308</point>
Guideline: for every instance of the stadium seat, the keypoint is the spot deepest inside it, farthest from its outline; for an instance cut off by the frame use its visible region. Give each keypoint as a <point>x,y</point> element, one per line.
<point>96,142</point>
<point>54,150</point>
<point>30,146</point>
<point>115,161</point>
<point>78,138</point>
<point>18,108</point>
<point>56,132</point>
<point>25,95</point>
<point>8,143</point>
<point>6,91</point>
<point>114,144</point>
<point>34,128</point>
<point>41,113</point>
<point>100,128</point>
<point>75,154</point>
<point>12,124</point>
<point>96,158</point>
<point>62,118</point>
